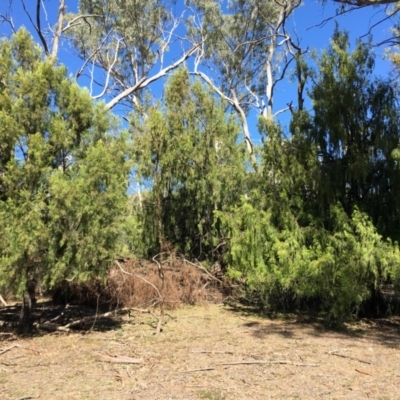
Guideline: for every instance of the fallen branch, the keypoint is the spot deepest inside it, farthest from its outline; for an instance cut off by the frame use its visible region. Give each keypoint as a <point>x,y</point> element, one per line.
<point>268,362</point>
<point>199,266</point>
<point>160,299</point>
<point>188,371</point>
<point>50,327</point>
<point>362,372</point>
<point>88,319</point>
<point>211,352</point>
<point>8,324</point>
<point>333,353</point>
<point>119,359</point>
<point>3,301</point>
<point>9,348</point>
<point>6,334</point>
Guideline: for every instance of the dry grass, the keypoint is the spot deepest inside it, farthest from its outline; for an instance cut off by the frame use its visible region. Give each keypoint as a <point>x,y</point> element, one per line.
<point>195,356</point>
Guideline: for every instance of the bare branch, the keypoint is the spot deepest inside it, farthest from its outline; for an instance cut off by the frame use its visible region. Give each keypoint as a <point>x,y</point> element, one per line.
<point>365,3</point>
<point>57,36</point>
<point>81,69</point>
<point>235,104</point>
<point>379,22</point>
<point>145,82</point>
<point>8,20</point>
<point>37,25</point>
<point>73,21</point>
<point>140,277</point>
<point>341,12</point>
<point>109,73</point>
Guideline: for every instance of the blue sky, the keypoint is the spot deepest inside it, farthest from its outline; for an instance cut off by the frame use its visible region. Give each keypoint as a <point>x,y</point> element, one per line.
<point>306,19</point>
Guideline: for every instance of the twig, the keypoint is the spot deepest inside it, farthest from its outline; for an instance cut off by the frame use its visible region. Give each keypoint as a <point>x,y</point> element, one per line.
<point>268,362</point>
<point>159,323</point>
<point>97,310</point>
<point>119,359</point>
<point>160,299</point>
<point>333,353</point>
<point>8,349</point>
<point>140,277</point>
<point>26,397</point>
<point>129,373</point>
<point>204,269</point>
<point>197,370</point>
<point>362,372</point>
<point>3,301</point>
<point>51,327</point>
<point>211,352</point>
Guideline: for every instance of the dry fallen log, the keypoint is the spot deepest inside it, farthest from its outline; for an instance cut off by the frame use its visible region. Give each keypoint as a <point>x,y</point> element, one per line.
<point>118,359</point>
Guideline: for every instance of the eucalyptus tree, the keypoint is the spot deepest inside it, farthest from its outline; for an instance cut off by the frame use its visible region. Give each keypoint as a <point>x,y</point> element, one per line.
<point>241,48</point>
<point>124,46</point>
<point>245,51</point>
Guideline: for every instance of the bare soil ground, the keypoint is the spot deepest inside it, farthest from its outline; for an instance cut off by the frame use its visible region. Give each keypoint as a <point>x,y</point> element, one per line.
<point>210,352</point>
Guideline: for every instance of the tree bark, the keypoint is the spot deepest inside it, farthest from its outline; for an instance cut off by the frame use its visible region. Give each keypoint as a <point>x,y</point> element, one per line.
<point>25,322</point>
<point>25,318</point>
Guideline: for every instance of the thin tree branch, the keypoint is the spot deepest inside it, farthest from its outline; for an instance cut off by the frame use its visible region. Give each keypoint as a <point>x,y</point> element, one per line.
<point>365,3</point>
<point>108,73</point>
<point>145,82</point>
<point>73,21</point>
<point>37,25</point>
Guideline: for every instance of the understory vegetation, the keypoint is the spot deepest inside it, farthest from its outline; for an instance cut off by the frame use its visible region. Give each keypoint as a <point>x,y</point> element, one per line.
<point>308,220</point>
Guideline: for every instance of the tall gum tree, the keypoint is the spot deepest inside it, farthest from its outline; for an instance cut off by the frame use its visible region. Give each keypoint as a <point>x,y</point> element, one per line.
<point>245,51</point>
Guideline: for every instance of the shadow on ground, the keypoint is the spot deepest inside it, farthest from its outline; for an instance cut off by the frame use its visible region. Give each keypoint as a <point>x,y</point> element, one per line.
<point>48,317</point>
<point>386,330</point>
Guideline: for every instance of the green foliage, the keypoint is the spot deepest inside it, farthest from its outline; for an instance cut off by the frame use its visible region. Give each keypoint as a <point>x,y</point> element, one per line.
<point>188,155</point>
<point>356,128</point>
<point>341,268</point>
<point>63,173</point>
<point>315,228</point>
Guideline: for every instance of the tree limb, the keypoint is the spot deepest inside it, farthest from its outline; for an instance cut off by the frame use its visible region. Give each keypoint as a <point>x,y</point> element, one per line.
<point>37,25</point>
<point>363,3</point>
<point>145,82</point>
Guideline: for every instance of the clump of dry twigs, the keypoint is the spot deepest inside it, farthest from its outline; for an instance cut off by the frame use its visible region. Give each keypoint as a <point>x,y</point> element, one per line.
<point>169,280</point>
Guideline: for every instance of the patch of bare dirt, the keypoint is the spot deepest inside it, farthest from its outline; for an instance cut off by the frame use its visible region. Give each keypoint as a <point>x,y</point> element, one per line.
<point>208,352</point>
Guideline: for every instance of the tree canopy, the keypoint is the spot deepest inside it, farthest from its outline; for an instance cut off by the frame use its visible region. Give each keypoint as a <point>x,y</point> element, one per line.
<point>195,160</point>
<point>63,173</point>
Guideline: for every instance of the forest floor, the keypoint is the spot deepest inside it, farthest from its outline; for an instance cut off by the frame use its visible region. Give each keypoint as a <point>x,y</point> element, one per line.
<point>210,352</point>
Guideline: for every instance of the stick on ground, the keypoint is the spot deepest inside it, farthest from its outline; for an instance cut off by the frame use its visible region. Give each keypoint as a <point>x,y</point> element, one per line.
<point>119,359</point>
<point>8,349</point>
<point>333,353</point>
<point>268,362</point>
